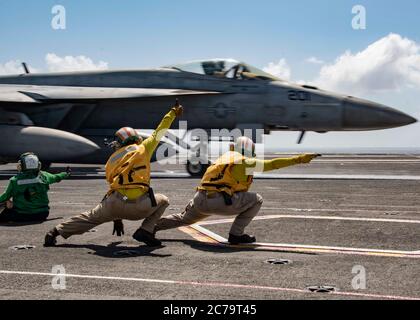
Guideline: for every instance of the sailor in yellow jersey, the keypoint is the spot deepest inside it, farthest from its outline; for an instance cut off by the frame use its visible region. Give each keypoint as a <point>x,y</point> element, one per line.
<point>224,190</point>
<point>130,196</point>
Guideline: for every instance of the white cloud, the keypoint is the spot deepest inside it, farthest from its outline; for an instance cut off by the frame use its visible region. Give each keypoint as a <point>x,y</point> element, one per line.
<point>314,60</point>
<point>13,67</point>
<point>56,63</point>
<point>280,69</point>
<point>391,63</point>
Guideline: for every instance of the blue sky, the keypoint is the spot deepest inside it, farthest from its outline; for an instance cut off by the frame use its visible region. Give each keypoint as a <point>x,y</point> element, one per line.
<point>138,34</point>
<point>151,33</point>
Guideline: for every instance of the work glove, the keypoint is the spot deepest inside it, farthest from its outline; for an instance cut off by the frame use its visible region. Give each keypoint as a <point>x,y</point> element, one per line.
<point>178,109</point>
<point>306,158</point>
<point>118,228</point>
<point>9,204</point>
<point>68,171</point>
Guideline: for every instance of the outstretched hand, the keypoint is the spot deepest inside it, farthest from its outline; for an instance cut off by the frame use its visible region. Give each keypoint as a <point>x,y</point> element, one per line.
<point>307,158</point>
<point>178,109</point>
<point>68,171</point>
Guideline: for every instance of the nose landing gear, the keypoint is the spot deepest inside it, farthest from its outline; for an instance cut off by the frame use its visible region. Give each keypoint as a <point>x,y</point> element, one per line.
<point>196,169</point>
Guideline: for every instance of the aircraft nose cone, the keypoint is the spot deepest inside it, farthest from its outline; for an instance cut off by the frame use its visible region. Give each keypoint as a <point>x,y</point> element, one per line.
<point>365,115</point>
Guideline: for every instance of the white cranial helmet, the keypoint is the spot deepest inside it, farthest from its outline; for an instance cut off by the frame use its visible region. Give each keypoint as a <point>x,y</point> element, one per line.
<point>245,146</point>
<point>29,162</point>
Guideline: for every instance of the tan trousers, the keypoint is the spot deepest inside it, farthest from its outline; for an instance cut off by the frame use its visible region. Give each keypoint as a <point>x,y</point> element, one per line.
<point>115,208</point>
<point>245,207</point>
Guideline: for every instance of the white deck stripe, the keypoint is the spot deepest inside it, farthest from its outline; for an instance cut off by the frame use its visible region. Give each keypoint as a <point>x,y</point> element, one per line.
<point>286,216</point>
<point>207,284</point>
<point>311,248</point>
<point>338,176</point>
<point>390,212</point>
<point>320,249</point>
<point>209,233</point>
<point>341,249</point>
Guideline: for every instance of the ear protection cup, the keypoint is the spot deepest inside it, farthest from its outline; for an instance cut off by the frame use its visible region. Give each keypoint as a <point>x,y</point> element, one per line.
<point>245,146</point>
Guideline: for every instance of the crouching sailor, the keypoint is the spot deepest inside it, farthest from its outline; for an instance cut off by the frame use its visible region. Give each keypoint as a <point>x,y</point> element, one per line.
<point>130,196</point>
<point>26,197</point>
<point>224,190</point>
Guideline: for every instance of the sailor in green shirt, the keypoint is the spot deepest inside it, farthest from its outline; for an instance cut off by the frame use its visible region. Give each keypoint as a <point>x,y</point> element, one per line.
<point>26,196</point>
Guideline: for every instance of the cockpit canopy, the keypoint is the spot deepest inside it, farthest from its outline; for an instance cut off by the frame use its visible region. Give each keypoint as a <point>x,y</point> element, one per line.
<point>224,68</point>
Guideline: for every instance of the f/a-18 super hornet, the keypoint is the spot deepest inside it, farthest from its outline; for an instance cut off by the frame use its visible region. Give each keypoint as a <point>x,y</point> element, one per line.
<point>64,117</point>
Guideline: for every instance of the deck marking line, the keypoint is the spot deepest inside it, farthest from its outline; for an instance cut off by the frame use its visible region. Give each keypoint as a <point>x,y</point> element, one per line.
<point>288,216</point>
<point>208,284</point>
<point>209,237</point>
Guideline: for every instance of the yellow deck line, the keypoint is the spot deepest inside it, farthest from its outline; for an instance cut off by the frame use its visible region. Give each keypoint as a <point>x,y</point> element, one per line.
<point>206,236</point>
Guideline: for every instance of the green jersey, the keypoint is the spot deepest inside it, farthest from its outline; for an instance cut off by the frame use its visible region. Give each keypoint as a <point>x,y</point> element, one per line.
<point>30,191</point>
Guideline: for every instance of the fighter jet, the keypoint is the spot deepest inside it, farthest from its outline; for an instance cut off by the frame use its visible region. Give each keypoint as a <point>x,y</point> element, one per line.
<point>64,117</point>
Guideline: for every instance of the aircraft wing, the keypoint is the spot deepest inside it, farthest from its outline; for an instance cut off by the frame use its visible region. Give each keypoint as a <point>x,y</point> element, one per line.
<point>57,94</point>
<point>12,94</point>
